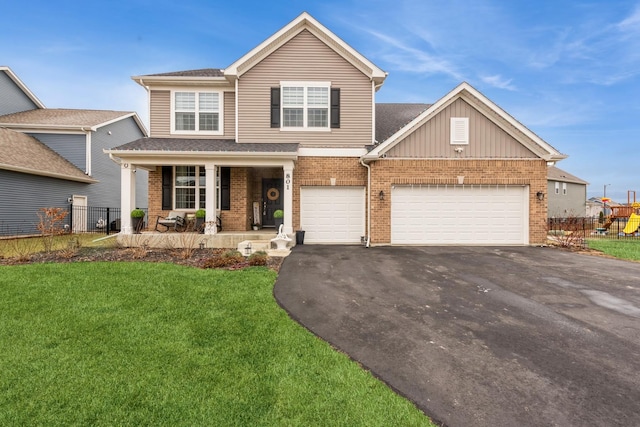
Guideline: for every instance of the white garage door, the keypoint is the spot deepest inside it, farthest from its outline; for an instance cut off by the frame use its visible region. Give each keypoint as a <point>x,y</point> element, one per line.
<point>332,214</point>
<point>464,215</point>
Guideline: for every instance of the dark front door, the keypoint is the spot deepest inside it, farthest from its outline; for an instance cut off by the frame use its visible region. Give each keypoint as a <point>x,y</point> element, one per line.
<point>271,199</point>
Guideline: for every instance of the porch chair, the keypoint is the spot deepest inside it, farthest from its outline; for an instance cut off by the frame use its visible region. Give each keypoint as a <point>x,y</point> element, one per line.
<point>175,220</point>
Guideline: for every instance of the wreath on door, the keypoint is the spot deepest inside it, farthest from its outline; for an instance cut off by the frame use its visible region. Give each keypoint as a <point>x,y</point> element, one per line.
<point>273,194</point>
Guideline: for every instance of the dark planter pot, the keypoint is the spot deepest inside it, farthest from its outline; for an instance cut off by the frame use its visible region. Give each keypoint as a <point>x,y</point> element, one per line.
<point>300,237</point>
<point>137,224</point>
<point>200,225</point>
<point>278,222</point>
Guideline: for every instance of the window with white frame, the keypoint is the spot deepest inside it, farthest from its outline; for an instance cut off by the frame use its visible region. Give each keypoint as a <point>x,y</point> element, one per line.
<point>564,188</point>
<point>557,188</point>
<point>197,112</point>
<point>305,105</point>
<point>190,187</point>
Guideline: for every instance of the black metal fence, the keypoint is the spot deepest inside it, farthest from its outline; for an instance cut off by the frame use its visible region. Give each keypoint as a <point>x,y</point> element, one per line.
<point>594,228</point>
<point>79,219</point>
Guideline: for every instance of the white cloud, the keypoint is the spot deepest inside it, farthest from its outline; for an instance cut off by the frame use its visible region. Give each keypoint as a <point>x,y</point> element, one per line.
<point>498,81</point>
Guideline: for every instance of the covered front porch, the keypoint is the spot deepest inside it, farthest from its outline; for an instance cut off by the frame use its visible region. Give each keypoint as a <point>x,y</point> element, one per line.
<point>239,189</point>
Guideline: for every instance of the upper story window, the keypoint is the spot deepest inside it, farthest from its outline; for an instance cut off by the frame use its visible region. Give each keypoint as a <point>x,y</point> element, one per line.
<point>564,188</point>
<point>305,106</point>
<point>197,112</point>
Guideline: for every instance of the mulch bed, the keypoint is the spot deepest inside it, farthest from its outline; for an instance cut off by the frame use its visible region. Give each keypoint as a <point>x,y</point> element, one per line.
<point>194,258</point>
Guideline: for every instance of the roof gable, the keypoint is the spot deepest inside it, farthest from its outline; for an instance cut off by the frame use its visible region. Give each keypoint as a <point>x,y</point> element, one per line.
<point>491,111</point>
<point>25,154</point>
<point>7,71</point>
<point>301,23</point>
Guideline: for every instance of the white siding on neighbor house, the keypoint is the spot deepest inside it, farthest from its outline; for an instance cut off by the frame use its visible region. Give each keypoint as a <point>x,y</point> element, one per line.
<point>486,139</point>
<point>306,58</point>
<point>457,214</point>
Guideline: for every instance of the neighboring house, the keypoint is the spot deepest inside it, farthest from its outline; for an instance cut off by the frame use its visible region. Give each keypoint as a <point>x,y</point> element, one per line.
<point>54,157</point>
<point>567,194</point>
<point>293,125</point>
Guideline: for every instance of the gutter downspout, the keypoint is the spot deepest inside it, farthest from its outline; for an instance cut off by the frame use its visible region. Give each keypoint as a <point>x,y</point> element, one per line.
<point>368,239</point>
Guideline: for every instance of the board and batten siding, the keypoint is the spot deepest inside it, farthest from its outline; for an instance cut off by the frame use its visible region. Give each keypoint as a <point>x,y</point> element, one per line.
<point>305,58</point>
<point>12,98</point>
<point>160,115</point>
<point>72,147</point>
<point>486,139</point>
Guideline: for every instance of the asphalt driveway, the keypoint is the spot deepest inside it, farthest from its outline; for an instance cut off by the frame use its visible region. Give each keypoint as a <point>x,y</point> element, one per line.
<point>480,336</point>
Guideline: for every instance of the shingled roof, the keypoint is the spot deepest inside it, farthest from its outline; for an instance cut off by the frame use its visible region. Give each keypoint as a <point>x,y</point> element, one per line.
<point>556,174</point>
<point>390,118</point>
<point>23,153</point>
<point>202,72</point>
<point>60,117</point>
<point>205,145</point>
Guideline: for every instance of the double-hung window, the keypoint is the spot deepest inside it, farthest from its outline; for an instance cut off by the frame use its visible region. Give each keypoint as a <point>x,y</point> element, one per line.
<point>197,112</point>
<point>305,105</point>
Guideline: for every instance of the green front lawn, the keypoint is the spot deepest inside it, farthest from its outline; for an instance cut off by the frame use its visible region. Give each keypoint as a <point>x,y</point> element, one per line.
<point>623,249</point>
<point>161,344</point>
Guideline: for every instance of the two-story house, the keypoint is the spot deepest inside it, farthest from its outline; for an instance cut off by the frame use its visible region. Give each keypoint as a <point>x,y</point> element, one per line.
<point>567,194</point>
<point>52,157</point>
<point>293,125</point>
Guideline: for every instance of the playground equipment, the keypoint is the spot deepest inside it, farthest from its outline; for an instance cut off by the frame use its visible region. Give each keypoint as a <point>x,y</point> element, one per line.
<point>631,212</point>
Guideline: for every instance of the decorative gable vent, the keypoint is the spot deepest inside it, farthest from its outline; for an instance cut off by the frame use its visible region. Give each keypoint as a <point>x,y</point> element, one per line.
<point>460,130</point>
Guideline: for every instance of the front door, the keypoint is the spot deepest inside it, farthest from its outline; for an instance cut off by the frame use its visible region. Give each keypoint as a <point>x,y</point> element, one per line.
<point>271,199</point>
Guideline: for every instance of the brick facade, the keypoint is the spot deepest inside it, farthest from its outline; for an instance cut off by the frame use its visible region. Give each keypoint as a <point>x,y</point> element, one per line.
<point>385,173</point>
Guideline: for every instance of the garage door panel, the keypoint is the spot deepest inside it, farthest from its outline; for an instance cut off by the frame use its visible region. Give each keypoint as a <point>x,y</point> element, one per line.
<point>459,215</point>
<point>332,214</point>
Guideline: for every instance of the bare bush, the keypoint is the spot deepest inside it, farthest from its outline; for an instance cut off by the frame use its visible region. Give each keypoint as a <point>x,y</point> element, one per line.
<point>567,232</point>
<point>50,224</point>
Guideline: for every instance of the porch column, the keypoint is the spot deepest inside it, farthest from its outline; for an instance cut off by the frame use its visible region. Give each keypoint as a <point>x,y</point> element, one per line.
<point>127,197</point>
<point>210,199</point>
<point>288,197</point>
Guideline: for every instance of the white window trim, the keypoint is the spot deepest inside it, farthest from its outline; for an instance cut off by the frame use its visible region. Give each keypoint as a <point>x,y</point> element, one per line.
<point>197,189</point>
<point>459,131</point>
<point>557,187</point>
<point>564,188</point>
<point>305,107</point>
<point>220,130</point>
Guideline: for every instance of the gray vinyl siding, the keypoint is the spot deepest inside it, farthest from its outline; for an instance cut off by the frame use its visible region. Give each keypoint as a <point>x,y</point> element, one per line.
<point>12,98</point>
<point>72,147</point>
<point>229,115</point>
<point>486,139</point>
<point>106,193</point>
<point>160,113</point>
<point>305,58</point>
<point>572,204</point>
<point>23,194</point>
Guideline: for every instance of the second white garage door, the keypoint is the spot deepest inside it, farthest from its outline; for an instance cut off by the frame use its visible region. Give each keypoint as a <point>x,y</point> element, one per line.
<point>332,214</point>
<point>465,215</point>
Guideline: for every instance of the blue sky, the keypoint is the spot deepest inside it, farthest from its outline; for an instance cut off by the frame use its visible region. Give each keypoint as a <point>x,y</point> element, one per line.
<point>568,70</point>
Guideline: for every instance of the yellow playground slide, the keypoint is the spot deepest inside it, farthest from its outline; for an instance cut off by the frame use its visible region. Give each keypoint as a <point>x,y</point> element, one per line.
<point>632,224</point>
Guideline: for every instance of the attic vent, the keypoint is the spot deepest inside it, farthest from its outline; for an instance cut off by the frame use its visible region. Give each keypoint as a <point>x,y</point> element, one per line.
<point>460,130</point>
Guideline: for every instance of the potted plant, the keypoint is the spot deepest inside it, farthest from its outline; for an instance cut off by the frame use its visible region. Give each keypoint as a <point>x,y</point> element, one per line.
<point>137,220</point>
<point>200,216</point>
<point>278,216</point>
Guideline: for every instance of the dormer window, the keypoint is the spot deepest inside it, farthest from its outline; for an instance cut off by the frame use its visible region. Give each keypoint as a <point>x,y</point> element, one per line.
<point>196,112</point>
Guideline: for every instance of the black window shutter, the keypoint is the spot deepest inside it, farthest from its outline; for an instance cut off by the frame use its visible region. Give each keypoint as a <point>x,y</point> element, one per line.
<point>225,189</point>
<point>275,107</point>
<point>167,187</point>
<point>335,108</point>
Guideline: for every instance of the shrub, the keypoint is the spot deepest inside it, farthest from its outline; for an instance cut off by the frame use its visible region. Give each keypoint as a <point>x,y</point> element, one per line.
<point>201,213</point>
<point>137,213</point>
<point>258,258</point>
<point>227,259</point>
<point>50,224</point>
<point>278,213</point>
